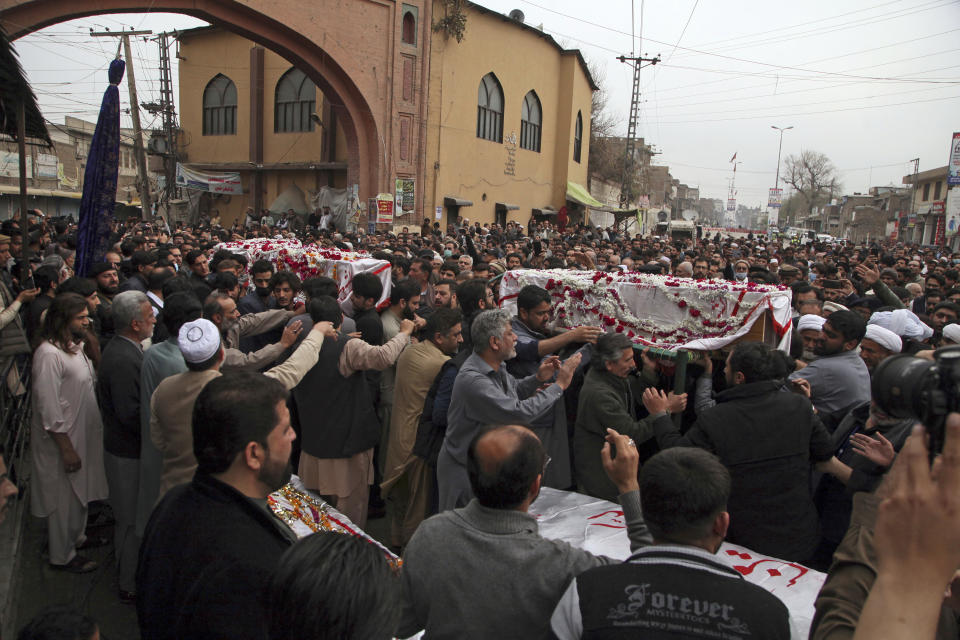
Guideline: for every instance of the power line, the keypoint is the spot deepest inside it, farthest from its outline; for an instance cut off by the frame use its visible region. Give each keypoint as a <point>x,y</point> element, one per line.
<point>708,53</point>
<point>689,18</point>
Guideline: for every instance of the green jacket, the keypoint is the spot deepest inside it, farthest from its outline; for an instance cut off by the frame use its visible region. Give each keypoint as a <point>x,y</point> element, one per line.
<point>606,402</point>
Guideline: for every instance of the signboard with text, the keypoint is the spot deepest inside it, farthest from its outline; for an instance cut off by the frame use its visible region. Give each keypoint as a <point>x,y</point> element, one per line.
<point>404,195</point>
<point>214,182</point>
<point>384,208</point>
<point>731,205</point>
<point>776,196</point>
<point>953,167</point>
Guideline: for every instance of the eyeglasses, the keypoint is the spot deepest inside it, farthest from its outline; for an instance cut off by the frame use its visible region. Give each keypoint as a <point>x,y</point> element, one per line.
<point>546,461</point>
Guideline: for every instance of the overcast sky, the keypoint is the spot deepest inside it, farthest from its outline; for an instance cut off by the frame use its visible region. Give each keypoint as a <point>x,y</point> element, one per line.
<point>870,83</point>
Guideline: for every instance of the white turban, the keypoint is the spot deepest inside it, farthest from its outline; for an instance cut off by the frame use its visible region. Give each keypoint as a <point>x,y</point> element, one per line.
<point>952,333</point>
<point>884,337</point>
<point>198,340</point>
<point>810,321</point>
<point>902,322</point>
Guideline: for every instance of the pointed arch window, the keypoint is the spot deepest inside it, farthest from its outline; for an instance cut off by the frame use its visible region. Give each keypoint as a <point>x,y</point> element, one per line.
<point>531,121</point>
<point>220,107</point>
<point>490,109</point>
<point>578,137</point>
<point>295,100</point>
<point>409,28</point>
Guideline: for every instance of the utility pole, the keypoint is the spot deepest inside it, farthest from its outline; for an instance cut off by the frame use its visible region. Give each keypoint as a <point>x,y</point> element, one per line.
<point>776,181</point>
<point>143,182</point>
<point>167,111</point>
<point>913,196</point>
<point>626,195</point>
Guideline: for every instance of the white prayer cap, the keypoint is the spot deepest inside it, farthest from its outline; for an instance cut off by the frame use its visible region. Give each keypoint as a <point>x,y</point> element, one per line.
<point>810,321</point>
<point>833,307</point>
<point>952,333</point>
<point>902,322</point>
<point>884,337</point>
<point>665,259</point>
<point>199,340</point>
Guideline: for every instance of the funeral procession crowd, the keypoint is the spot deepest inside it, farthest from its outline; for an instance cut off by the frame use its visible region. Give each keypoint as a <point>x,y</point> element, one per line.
<point>179,385</point>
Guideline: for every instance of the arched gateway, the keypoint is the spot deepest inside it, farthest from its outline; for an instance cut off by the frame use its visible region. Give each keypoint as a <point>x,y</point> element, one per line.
<point>349,49</point>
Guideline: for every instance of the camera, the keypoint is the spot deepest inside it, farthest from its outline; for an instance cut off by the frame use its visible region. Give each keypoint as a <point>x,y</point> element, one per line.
<point>905,386</point>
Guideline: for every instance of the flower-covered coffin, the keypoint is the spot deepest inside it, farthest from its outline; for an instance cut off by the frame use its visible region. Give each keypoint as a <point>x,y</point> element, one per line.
<point>310,261</point>
<point>659,311</point>
<point>305,514</point>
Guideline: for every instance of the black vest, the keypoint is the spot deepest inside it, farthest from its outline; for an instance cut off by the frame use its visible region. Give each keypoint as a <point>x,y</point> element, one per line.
<point>337,415</point>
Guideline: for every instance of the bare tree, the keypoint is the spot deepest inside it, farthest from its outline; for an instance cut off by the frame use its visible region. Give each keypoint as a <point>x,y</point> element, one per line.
<point>813,177</point>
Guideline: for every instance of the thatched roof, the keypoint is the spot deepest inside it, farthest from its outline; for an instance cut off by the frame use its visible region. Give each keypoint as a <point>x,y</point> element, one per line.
<point>14,88</point>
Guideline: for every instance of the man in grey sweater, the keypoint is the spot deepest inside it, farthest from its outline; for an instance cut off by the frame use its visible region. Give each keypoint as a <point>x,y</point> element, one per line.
<point>483,571</point>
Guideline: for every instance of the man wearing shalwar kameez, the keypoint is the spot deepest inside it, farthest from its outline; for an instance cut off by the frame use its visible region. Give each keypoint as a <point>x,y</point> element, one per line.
<point>66,433</point>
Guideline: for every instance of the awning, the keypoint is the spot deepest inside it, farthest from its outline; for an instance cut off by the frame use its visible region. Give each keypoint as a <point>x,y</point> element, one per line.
<point>578,193</point>
<point>8,189</point>
<point>451,201</point>
<point>544,211</point>
<point>503,206</point>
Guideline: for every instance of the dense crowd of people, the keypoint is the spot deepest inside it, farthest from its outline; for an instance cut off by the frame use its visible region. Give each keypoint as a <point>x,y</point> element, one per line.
<point>183,384</point>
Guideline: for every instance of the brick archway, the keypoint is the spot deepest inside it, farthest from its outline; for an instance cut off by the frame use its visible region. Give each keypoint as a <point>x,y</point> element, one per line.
<point>365,160</point>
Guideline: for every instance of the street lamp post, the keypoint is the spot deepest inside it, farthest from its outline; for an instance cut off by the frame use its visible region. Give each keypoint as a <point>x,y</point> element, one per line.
<point>776,181</point>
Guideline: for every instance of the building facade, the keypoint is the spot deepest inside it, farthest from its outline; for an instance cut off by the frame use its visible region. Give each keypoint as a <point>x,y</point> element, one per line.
<point>476,135</point>
<point>55,176</point>
<point>508,122</point>
<point>246,109</point>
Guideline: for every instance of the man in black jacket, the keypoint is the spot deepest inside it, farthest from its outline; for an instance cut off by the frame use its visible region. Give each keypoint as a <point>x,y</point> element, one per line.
<point>118,391</point>
<point>767,438</point>
<point>241,439</point>
<point>675,588</point>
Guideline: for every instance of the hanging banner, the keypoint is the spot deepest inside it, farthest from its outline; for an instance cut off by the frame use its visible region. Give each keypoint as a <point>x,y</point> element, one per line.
<point>776,195</point>
<point>952,211</point>
<point>405,200</point>
<point>953,166</point>
<point>228,183</point>
<point>731,205</point>
<point>384,208</point>
<point>10,164</point>
<point>46,165</point>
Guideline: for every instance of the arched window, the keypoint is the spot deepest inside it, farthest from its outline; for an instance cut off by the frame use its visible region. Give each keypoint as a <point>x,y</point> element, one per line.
<point>296,99</point>
<point>409,28</point>
<point>220,107</point>
<point>490,109</point>
<point>531,121</point>
<point>578,137</point>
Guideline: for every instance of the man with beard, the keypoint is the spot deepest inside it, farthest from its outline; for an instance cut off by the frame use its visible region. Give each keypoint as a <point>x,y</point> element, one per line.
<point>408,481</point>
<point>118,390</point>
<point>404,301</point>
<point>768,439</point>
<point>241,439</point>
<point>222,311</point>
<point>838,379</point>
<point>66,433</point>
<point>260,299</point>
<point>534,310</point>
<point>285,285</point>
<point>485,393</point>
<point>173,401</point>
<point>810,328</point>
<point>108,283</point>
